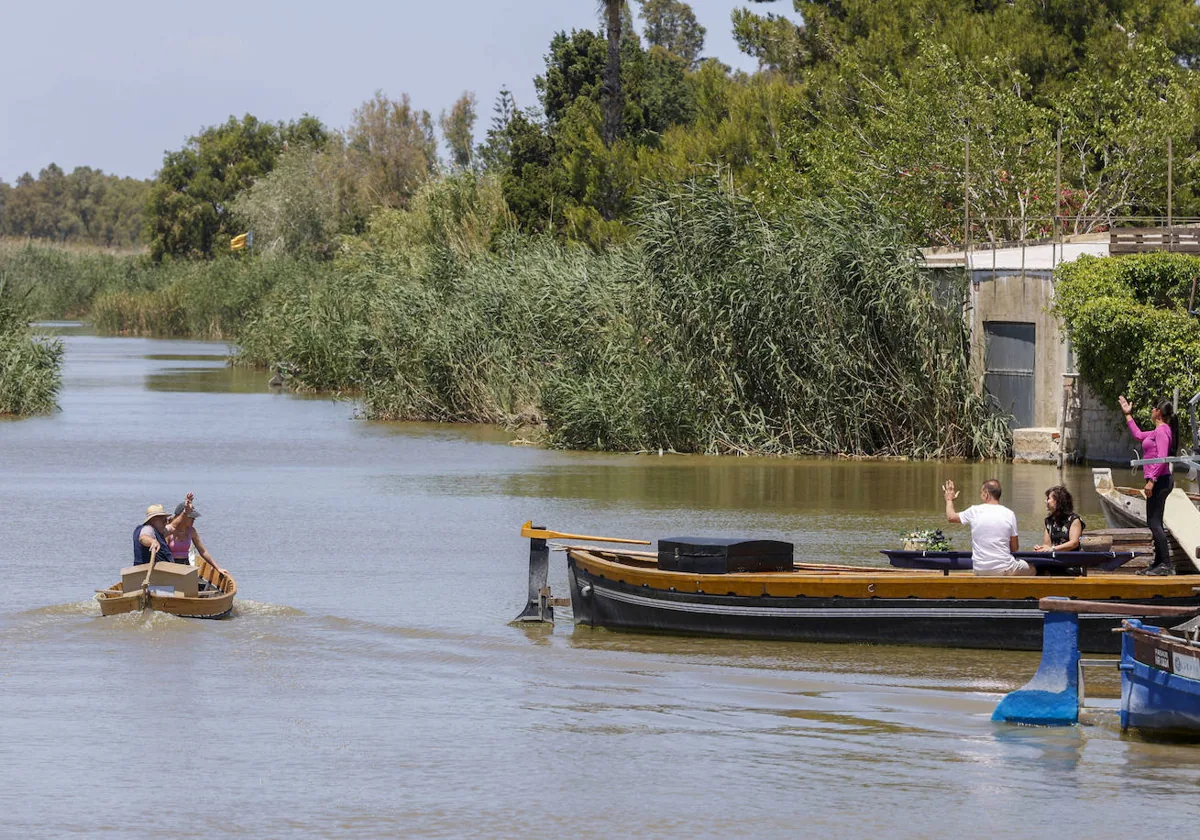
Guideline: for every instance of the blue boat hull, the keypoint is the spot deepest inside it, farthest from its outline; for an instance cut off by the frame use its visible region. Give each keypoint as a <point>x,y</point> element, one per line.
<point>1160,683</point>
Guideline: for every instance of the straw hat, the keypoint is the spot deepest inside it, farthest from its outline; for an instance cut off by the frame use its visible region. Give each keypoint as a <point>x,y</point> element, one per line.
<point>153,511</point>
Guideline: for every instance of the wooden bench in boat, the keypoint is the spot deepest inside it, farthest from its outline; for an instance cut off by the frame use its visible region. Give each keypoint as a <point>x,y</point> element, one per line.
<point>1045,563</point>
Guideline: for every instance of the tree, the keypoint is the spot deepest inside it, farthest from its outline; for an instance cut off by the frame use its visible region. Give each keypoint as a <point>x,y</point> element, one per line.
<point>671,24</point>
<point>458,128</point>
<point>1116,118</point>
<point>391,150</point>
<point>532,184</point>
<point>495,151</point>
<point>614,100</point>
<point>1045,41</point>
<point>575,68</point>
<point>655,91</point>
<point>190,205</point>
<point>294,208</point>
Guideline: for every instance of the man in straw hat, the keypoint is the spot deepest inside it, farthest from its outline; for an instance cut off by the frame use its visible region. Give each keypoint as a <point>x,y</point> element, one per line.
<point>151,536</point>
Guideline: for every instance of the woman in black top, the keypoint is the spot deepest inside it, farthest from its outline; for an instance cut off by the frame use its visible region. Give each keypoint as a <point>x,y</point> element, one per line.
<point>1063,525</point>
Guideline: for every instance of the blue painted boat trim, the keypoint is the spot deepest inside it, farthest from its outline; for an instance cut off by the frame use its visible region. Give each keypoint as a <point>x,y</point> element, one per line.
<point>1153,699</point>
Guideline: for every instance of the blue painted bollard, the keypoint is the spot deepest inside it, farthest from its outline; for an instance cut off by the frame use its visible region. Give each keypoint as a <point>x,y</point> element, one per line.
<point>1051,698</point>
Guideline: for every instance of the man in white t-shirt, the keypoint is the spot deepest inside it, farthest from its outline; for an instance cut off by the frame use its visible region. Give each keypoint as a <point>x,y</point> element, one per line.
<point>994,535</point>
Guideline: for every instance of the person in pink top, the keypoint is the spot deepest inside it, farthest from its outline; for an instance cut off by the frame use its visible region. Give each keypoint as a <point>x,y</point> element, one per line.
<point>183,536</point>
<point>1160,442</point>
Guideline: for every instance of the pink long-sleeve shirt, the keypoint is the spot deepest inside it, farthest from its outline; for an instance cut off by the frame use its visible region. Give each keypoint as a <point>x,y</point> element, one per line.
<point>1156,443</point>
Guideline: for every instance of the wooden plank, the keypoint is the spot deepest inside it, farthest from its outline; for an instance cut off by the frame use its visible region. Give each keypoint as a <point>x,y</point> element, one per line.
<point>1183,521</point>
<point>1110,608</point>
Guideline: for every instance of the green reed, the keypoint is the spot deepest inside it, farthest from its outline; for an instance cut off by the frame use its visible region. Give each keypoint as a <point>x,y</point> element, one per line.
<point>195,299</point>
<point>30,366</point>
<point>58,281</point>
<point>716,331</point>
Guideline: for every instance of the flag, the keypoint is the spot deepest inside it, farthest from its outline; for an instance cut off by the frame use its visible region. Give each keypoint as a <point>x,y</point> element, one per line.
<point>239,242</point>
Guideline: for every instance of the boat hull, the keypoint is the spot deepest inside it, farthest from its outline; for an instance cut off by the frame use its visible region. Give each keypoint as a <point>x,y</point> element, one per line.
<point>217,604</point>
<point>1160,685</point>
<point>998,623</point>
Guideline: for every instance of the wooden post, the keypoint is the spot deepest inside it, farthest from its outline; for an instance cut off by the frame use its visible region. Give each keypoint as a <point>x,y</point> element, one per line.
<point>967,205</point>
<point>1058,194</point>
<point>1170,193</point>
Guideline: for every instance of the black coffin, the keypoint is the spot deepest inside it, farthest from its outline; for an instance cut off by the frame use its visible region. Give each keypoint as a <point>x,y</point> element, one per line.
<point>719,555</point>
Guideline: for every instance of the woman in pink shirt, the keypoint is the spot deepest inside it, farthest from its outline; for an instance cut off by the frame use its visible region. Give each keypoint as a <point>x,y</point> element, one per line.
<point>1160,442</point>
<point>183,536</point>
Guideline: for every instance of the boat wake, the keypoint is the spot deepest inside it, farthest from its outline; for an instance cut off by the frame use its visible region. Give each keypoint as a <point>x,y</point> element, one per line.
<point>243,607</point>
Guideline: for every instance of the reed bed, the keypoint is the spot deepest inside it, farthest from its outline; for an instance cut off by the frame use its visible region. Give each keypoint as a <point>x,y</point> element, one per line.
<point>30,366</point>
<point>60,281</point>
<point>716,331</point>
<point>193,299</point>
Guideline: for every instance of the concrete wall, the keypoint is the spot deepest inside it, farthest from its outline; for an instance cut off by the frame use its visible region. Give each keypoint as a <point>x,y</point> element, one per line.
<point>1024,298</point>
<point>1091,431</point>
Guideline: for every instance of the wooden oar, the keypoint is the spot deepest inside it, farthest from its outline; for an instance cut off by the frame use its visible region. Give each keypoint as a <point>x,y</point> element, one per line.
<point>527,530</point>
<point>153,560</point>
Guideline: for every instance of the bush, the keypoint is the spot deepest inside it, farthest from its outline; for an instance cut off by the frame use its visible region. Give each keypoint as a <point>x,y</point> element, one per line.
<point>1128,323</point>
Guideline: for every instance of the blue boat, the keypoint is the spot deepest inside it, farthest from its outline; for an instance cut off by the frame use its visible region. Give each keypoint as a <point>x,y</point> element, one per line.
<point>1160,680</point>
<point>1160,670</point>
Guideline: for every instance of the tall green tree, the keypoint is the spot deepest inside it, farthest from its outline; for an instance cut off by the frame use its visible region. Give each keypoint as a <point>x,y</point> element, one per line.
<point>458,128</point>
<point>189,211</point>
<point>1046,40</point>
<point>672,25</point>
<point>391,150</point>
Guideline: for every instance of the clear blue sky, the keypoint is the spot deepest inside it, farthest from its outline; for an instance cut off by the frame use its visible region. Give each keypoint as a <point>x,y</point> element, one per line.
<point>115,84</point>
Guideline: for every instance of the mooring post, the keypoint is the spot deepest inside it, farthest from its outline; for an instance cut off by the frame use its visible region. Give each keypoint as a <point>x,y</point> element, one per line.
<point>1051,698</point>
<point>539,606</point>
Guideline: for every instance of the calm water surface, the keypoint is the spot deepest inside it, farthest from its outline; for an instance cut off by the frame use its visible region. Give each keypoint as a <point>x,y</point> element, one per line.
<point>369,684</point>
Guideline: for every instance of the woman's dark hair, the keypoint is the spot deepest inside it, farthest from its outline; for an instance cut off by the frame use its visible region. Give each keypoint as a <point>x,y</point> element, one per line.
<point>1064,505</point>
<point>1167,409</point>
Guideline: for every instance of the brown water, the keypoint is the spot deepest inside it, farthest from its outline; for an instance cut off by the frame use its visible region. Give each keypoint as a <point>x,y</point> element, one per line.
<point>369,684</point>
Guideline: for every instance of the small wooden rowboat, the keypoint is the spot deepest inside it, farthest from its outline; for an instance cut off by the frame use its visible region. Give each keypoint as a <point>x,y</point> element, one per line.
<point>1124,507</point>
<point>214,600</point>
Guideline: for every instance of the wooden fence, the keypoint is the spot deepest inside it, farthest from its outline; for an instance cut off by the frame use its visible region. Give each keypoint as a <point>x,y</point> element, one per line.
<point>1142,240</point>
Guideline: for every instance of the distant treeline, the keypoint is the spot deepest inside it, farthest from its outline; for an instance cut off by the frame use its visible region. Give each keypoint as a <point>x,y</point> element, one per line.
<point>85,206</point>
<point>878,99</point>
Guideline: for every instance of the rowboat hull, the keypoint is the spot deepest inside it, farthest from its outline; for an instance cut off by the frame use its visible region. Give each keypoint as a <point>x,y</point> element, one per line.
<point>845,604</point>
<point>1124,507</point>
<point>1160,683</point>
<point>115,600</point>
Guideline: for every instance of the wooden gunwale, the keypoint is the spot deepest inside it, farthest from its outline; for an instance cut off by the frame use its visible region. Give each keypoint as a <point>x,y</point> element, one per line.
<point>861,582</point>
<point>115,600</point>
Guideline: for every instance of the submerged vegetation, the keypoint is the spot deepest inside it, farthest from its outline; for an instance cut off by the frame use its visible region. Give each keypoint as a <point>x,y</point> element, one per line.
<point>29,366</point>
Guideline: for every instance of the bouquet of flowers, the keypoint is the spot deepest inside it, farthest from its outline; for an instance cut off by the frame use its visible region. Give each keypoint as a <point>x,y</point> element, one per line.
<point>926,539</point>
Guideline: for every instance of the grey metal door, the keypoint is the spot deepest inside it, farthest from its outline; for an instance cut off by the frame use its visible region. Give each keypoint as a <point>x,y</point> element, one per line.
<point>1011,348</point>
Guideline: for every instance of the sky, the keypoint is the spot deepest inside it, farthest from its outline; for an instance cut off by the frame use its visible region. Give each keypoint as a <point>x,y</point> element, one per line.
<point>113,85</point>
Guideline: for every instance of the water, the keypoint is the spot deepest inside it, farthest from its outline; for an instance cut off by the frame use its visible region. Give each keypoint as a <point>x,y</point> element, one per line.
<point>369,684</point>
